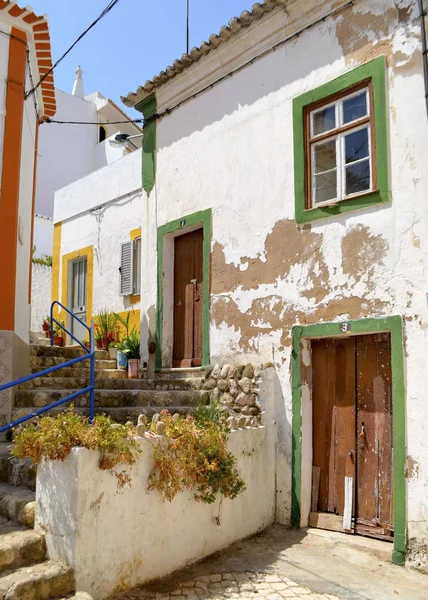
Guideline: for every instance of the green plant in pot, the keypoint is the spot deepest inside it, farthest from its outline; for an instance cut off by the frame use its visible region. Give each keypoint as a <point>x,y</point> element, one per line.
<point>122,359</point>
<point>131,348</point>
<point>105,322</point>
<point>58,338</point>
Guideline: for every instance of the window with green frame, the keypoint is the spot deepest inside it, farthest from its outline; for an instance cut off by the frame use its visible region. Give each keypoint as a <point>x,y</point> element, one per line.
<point>340,144</point>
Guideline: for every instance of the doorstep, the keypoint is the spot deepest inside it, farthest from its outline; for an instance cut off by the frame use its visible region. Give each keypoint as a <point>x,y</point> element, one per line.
<point>377,548</point>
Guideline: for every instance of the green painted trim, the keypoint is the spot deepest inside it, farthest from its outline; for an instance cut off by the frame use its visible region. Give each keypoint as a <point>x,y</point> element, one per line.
<point>148,108</point>
<point>203,218</point>
<point>394,325</point>
<point>376,71</point>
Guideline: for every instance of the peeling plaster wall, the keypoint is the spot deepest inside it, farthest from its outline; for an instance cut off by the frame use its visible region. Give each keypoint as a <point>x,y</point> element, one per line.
<point>230,149</point>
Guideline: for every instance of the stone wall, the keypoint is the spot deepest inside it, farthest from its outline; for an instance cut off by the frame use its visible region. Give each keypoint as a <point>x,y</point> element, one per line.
<point>236,389</point>
<point>40,295</point>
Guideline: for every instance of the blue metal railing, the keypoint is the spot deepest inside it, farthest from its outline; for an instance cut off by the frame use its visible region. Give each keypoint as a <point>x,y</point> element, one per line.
<point>90,355</point>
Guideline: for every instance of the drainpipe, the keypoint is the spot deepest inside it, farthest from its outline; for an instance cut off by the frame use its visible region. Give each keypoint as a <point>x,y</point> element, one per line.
<point>422,15</point>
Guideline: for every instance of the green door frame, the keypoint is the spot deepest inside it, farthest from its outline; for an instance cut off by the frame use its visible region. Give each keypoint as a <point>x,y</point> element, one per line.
<point>394,326</point>
<point>202,218</point>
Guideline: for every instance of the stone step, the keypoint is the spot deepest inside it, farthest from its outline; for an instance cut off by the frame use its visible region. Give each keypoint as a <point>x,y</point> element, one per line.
<point>17,504</point>
<point>15,471</point>
<point>75,383</point>
<point>174,374</point>
<point>118,415</point>
<point>106,398</point>
<point>38,582</point>
<point>51,361</point>
<point>67,352</point>
<point>19,547</point>
<point>82,372</point>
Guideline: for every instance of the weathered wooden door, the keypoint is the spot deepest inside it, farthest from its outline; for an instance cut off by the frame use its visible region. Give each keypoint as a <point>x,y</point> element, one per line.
<point>188,289</point>
<point>352,428</point>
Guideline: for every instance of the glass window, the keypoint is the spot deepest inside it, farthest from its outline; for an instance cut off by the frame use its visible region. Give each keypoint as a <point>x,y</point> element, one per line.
<point>340,145</point>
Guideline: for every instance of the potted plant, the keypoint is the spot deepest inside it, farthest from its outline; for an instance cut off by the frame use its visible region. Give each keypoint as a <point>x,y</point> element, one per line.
<point>58,339</point>
<point>131,348</point>
<point>106,322</point>
<point>113,349</point>
<point>122,359</point>
<point>46,324</point>
<point>97,337</point>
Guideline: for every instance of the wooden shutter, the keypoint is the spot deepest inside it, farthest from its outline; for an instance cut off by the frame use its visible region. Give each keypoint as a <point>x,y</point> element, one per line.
<point>126,268</point>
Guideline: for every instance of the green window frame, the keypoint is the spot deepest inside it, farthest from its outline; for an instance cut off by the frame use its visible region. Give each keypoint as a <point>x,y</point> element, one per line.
<point>374,73</point>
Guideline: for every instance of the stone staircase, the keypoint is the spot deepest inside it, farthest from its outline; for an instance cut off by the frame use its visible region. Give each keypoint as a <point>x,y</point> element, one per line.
<point>121,398</point>
<point>25,571</point>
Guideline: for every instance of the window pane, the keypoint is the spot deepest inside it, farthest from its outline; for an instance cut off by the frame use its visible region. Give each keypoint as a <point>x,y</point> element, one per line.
<point>357,145</point>
<point>325,156</point>
<point>358,177</point>
<point>355,107</point>
<point>75,284</point>
<point>324,120</point>
<point>325,187</point>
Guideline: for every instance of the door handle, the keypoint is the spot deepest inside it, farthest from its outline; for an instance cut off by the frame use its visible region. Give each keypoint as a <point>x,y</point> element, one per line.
<point>194,281</point>
<point>363,431</point>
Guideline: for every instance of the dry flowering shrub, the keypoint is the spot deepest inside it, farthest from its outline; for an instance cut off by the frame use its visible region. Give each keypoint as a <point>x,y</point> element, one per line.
<point>52,438</point>
<point>195,456</point>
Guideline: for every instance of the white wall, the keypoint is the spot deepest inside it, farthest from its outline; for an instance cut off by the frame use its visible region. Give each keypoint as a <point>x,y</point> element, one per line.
<point>25,213</point>
<point>43,236</point>
<point>231,149</point>
<point>66,152</point>
<point>40,295</point>
<point>108,205</point>
<point>116,540</point>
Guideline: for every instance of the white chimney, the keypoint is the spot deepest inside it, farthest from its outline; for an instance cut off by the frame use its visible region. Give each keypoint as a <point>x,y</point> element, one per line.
<point>78,84</point>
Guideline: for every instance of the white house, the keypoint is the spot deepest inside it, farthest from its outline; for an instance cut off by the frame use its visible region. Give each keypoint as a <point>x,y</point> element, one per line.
<point>25,56</point>
<point>68,152</point>
<point>283,219</point>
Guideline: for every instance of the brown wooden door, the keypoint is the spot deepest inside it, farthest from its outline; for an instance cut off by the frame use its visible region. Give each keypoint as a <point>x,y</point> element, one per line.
<point>374,435</point>
<point>334,416</point>
<point>188,289</point>
<point>352,428</point>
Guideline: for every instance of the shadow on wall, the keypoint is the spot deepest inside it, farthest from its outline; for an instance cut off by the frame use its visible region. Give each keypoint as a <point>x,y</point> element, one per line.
<point>290,63</point>
<point>283,453</point>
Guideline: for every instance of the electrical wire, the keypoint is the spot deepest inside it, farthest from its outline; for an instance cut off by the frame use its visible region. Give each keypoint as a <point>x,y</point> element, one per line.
<point>107,9</point>
<point>168,111</point>
<point>141,120</point>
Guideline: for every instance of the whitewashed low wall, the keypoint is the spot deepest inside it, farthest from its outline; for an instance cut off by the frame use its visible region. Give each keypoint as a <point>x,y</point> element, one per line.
<point>116,540</point>
<point>40,295</point>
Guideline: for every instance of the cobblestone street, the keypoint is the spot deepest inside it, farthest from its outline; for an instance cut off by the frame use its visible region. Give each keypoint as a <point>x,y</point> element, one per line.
<point>280,563</point>
<point>232,585</point>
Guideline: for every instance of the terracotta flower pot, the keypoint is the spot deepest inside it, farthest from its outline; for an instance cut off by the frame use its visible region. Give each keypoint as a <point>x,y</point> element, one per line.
<point>133,368</point>
<point>58,340</point>
<point>45,326</point>
<point>98,344</point>
<point>104,343</point>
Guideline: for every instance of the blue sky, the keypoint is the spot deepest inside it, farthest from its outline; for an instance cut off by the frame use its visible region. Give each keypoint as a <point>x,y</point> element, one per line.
<point>135,41</point>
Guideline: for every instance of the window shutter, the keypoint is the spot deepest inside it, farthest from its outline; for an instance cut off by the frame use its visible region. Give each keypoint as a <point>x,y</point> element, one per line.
<point>126,268</point>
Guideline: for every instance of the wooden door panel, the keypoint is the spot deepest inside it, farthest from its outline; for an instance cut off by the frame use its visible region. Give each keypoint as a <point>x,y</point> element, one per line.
<point>345,417</point>
<point>183,299</point>
<point>333,389</point>
<point>321,422</point>
<point>198,298</point>
<point>374,430</point>
<point>188,286</point>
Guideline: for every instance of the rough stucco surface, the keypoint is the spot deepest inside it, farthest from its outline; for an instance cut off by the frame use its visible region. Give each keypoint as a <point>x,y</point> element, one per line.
<point>231,149</point>
<point>40,295</point>
<point>118,539</point>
